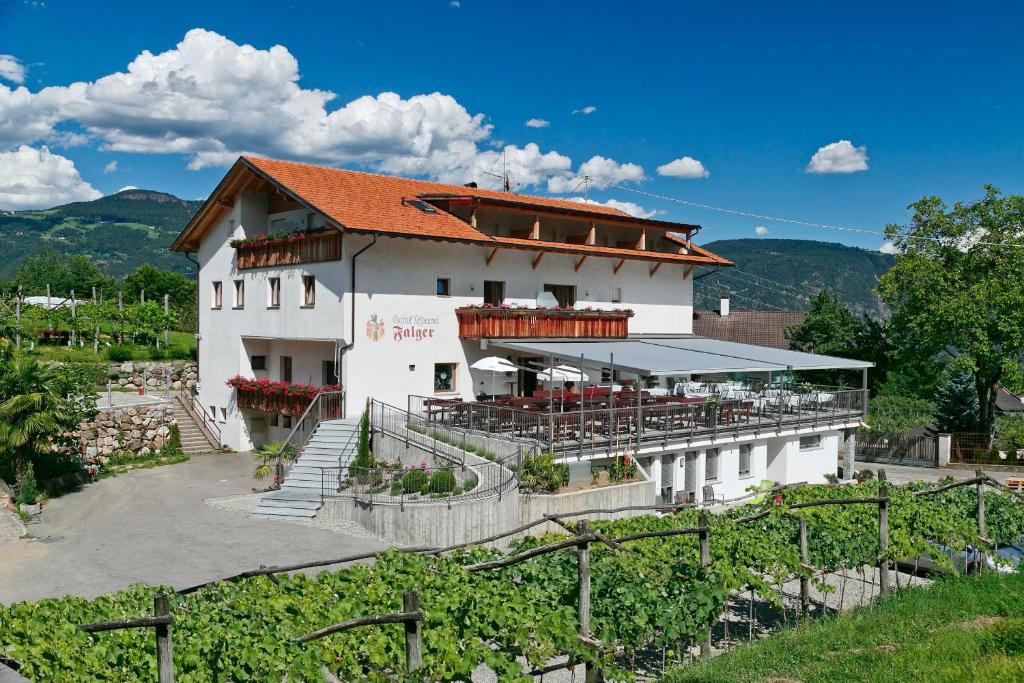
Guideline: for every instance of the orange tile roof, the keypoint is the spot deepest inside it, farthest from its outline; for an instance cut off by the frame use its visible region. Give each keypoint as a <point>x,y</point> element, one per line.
<point>368,202</point>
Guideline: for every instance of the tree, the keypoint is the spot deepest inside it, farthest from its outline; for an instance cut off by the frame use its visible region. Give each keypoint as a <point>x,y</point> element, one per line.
<point>63,274</point>
<point>30,411</point>
<point>956,402</point>
<point>956,287</point>
<point>155,283</point>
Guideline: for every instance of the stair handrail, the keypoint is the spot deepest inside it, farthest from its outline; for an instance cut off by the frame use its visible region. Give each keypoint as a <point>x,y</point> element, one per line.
<point>315,408</point>
<point>191,403</point>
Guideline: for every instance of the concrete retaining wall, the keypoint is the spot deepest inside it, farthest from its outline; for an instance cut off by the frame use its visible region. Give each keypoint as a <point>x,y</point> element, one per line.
<point>534,507</point>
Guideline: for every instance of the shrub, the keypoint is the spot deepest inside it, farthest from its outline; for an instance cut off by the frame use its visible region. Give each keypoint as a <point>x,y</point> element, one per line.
<point>894,413</point>
<point>28,491</point>
<point>542,473</point>
<point>172,446</point>
<point>118,354</point>
<point>414,481</point>
<point>442,481</point>
<point>158,354</point>
<point>1010,433</point>
<point>364,458</point>
<point>1005,638</point>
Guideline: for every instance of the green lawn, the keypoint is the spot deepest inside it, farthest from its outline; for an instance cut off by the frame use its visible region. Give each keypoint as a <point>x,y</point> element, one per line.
<point>182,347</point>
<point>960,629</point>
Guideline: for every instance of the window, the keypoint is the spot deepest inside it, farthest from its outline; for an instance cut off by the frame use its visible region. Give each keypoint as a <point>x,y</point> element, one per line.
<point>286,368</point>
<point>616,295</point>
<point>274,292</point>
<point>745,451</point>
<point>564,294</point>
<point>213,412</point>
<point>286,421</point>
<point>275,419</point>
<point>444,286</point>
<point>494,292</point>
<point>309,221</point>
<point>258,362</point>
<point>308,291</point>
<point>239,294</point>
<point>711,464</point>
<point>216,296</point>
<point>328,372</point>
<point>444,377</point>
<point>422,206</point>
<point>811,442</point>
<point>223,414</point>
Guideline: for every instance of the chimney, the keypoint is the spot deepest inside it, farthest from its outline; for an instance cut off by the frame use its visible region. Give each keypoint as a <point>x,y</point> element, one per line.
<point>723,306</point>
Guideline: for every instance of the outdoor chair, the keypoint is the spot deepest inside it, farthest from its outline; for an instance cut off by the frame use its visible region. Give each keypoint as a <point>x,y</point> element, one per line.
<point>708,493</point>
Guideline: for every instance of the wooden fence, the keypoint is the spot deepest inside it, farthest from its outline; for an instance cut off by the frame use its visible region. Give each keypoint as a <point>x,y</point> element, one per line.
<point>583,536</point>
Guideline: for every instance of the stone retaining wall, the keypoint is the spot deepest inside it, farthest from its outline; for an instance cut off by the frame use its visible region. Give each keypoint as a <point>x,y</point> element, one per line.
<point>131,375</point>
<point>136,429</point>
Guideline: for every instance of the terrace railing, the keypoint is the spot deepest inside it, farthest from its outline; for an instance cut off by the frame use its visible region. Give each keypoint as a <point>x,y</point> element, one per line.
<point>623,424</point>
<point>287,252</point>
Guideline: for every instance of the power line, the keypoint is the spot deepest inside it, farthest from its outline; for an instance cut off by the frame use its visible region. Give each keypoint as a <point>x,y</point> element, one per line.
<point>776,282</point>
<point>748,298</point>
<point>793,221</point>
<point>795,295</point>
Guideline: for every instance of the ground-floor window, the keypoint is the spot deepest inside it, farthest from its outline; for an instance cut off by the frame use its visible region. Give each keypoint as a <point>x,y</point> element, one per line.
<point>745,451</point>
<point>711,464</point>
<point>810,442</point>
<point>444,376</point>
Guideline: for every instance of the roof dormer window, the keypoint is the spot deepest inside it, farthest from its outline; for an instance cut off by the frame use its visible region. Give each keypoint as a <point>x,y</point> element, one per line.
<point>421,205</point>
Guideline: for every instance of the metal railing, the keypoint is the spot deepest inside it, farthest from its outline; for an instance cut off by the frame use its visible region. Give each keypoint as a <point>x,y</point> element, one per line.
<point>327,405</point>
<point>623,423</point>
<point>206,422</point>
<point>456,475</point>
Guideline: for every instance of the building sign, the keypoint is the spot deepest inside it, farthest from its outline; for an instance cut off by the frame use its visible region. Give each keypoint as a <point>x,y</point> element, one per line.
<point>412,328</point>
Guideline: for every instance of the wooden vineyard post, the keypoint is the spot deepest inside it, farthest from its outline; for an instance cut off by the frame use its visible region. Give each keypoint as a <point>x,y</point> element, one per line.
<point>805,583</point>
<point>161,622</point>
<point>705,561</point>
<point>883,535</point>
<point>164,646</point>
<point>981,503</point>
<point>593,673</point>
<point>413,632</point>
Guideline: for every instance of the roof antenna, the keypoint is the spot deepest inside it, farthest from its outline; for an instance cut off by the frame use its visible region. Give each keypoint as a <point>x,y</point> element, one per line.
<point>585,182</point>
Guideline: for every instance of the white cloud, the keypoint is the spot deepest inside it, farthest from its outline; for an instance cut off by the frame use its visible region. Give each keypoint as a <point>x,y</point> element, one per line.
<point>127,187</point>
<point>537,123</point>
<point>629,207</point>
<point>111,166</point>
<point>761,231</point>
<point>683,167</point>
<point>455,3</point>
<point>889,248</point>
<point>33,178</point>
<point>11,69</point>
<point>586,111</point>
<point>211,99</point>
<point>602,172</point>
<point>839,157</point>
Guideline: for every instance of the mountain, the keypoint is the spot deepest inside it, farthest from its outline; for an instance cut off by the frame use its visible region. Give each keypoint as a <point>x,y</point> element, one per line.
<point>775,274</point>
<point>118,232</point>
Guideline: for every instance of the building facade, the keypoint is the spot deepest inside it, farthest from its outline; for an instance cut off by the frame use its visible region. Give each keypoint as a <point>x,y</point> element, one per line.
<point>393,288</point>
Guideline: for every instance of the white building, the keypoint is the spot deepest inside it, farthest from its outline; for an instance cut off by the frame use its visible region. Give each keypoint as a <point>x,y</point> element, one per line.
<point>360,284</point>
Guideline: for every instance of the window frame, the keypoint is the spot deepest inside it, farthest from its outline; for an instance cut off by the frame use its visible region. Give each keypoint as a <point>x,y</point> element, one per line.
<point>498,283</point>
<point>554,287</point>
<point>447,279</point>
<point>718,465</point>
<point>454,383</point>
<point>749,455</point>
<point>274,293</point>
<point>283,362</point>
<point>308,291</point>
<point>238,295</point>
<point>216,295</point>
<point>262,365</point>
<point>817,442</point>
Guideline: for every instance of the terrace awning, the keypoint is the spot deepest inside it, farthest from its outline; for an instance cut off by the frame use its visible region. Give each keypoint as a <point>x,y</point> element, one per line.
<point>677,355</point>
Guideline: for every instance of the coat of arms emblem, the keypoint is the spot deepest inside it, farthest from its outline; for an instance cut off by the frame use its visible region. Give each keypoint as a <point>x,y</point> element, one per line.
<point>375,328</point>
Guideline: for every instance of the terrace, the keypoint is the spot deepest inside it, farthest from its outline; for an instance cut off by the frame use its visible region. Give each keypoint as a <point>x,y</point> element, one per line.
<point>613,419</point>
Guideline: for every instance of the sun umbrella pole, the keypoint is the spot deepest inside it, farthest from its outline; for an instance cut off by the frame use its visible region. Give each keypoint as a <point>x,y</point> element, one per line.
<point>582,407</point>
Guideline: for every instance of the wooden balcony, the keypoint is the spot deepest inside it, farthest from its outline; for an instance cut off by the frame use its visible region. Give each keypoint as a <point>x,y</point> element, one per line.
<point>289,252</point>
<point>501,323</point>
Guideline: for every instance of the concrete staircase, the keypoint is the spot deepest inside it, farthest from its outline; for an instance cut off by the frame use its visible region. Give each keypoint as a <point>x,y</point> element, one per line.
<point>333,443</point>
<point>194,440</point>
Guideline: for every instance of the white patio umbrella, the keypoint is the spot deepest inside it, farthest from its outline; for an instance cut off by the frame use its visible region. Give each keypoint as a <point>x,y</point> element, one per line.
<point>576,374</point>
<point>559,374</point>
<point>494,365</point>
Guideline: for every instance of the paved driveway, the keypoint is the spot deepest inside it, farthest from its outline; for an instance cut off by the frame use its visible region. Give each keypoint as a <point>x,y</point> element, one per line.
<point>152,526</point>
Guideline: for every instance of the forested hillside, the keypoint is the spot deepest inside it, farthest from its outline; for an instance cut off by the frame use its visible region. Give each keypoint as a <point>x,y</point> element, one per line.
<point>118,233</point>
<point>773,274</point>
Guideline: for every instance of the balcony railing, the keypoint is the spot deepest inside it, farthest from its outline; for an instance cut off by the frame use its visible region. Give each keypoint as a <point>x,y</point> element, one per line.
<point>521,323</point>
<point>621,423</point>
<point>289,251</point>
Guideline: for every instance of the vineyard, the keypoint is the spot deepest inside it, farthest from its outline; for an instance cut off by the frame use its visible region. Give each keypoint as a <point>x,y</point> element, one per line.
<point>649,589</point>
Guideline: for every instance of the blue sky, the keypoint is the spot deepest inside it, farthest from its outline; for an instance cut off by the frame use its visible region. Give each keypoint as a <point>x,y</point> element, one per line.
<point>927,95</point>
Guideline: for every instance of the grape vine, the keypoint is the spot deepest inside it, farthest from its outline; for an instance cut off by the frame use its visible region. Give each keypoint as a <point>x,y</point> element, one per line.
<point>656,592</point>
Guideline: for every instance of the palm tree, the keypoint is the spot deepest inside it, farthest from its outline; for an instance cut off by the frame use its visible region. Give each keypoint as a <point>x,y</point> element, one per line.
<point>30,410</point>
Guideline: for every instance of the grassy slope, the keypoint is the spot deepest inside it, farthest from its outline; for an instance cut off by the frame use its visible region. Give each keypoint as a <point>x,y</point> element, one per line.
<point>933,634</point>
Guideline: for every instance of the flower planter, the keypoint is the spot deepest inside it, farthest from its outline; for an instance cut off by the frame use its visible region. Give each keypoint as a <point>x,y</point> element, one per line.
<point>519,323</point>
<point>284,398</point>
<point>307,248</point>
